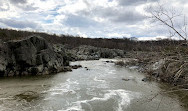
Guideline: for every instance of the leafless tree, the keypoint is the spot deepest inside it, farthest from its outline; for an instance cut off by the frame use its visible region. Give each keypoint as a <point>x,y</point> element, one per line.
<point>170,17</point>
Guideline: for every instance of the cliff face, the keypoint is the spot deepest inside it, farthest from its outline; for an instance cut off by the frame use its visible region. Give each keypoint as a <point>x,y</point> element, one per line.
<point>33,56</point>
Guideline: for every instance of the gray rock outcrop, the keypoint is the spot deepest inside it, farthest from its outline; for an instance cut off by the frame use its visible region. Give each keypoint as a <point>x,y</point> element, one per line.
<point>33,55</point>
<point>86,52</point>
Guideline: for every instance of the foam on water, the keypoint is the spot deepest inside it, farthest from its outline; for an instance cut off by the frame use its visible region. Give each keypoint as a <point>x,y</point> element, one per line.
<point>68,87</point>
<point>122,97</point>
<point>91,91</point>
<point>111,72</point>
<point>99,80</point>
<point>97,89</point>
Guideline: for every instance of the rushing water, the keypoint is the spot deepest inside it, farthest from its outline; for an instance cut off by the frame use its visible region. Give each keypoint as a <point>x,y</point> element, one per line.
<point>100,88</point>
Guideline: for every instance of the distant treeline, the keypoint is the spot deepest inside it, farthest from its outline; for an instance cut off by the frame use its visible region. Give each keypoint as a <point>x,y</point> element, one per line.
<point>74,41</point>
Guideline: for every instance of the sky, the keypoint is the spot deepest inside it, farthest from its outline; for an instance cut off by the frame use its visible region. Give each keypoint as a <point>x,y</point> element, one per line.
<point>86,18</point>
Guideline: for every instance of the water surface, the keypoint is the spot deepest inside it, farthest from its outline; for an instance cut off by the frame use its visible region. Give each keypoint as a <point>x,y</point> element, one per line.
<point>100,88</point>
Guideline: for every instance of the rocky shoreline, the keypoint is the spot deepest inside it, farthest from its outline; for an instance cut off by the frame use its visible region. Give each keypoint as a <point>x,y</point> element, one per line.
<point>31,56</point>
<point>35,56</point>
<point>86,52</point>
<point>171,69</point>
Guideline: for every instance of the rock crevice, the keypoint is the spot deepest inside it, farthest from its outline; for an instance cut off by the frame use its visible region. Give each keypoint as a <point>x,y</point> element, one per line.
<point>33,55</point>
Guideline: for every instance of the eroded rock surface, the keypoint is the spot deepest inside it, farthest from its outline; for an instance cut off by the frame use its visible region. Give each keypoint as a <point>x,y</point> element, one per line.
<point>33,55</point>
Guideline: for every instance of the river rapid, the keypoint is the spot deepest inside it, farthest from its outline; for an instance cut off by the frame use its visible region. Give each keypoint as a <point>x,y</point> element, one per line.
<point>98,86</point>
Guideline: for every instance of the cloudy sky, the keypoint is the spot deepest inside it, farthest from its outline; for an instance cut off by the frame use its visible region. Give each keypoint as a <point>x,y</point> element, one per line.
<point>87,18</point>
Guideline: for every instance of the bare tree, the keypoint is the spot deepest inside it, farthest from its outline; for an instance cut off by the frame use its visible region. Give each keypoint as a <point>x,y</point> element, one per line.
<point>170,17</point>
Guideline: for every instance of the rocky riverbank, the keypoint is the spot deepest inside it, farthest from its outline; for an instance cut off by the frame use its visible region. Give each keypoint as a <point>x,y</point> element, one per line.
<point>35,56</point>
<point>85,52</point>
<point>31,56</point>
<point>172,69</point>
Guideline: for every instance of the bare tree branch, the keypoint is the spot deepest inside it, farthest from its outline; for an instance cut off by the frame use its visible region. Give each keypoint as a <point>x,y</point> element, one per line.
<point>169,18</point>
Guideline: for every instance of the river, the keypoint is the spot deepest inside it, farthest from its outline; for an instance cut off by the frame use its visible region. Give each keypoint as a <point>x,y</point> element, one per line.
<point>98,88</point>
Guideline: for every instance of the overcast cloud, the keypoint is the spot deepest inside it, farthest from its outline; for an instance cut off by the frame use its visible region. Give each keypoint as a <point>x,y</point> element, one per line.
<point>87,18</point>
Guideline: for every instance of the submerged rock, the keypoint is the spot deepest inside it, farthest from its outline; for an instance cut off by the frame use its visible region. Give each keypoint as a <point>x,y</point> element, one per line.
<point>145,79</point>
<point>67,68</point>
<point>125,79</point>
<point>28,96</point>
<point>76,66</point>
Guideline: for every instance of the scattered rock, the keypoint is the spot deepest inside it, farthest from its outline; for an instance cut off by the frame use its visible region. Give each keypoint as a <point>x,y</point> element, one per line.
<point>161,66</point>
<point>125,79</point>
<point>67,68</point>
<point>85,52</point>
<point>86,68</point>
<point>76,66</point>
<point>109,61</point>
<point>28,96</point>
<point>145,79</point>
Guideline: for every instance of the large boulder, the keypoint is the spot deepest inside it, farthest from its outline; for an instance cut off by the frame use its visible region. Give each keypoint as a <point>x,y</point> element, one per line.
<point>33,55</point>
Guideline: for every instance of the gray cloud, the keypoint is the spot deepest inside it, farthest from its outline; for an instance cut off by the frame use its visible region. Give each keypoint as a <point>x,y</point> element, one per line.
<point>134,2</point>
<point>23,4</point>
<point>127,15</point>
<point>94,19</point>
<point>28,7</point>
<point>19,24</point>
<point>4,9</point>
<point>18,1</point>
<point>79,21</point>
<point>183,1</point>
